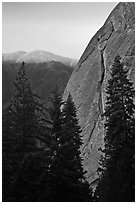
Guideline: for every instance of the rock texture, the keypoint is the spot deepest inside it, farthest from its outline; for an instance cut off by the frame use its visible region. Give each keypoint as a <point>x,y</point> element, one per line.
<point>89,79</point>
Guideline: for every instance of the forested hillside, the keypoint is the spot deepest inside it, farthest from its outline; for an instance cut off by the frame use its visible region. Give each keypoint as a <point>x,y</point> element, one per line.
<point>43,77</point>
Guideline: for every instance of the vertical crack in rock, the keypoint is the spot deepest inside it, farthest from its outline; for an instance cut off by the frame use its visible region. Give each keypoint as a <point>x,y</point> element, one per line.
<point>102,65</point>
<point>98,38</point>
<point>100,100</point>
<point>99,87</point>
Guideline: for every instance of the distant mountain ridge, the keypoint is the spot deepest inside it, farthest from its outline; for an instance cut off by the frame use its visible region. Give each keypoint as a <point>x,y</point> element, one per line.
<point>37,56</point>
<point>12,56</point>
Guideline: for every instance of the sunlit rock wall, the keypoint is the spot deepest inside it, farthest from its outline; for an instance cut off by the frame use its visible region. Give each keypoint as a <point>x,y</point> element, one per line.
<point>89,79</point>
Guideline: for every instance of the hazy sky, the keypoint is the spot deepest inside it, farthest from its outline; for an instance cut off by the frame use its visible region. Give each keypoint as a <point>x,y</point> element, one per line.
<point>63,28</point>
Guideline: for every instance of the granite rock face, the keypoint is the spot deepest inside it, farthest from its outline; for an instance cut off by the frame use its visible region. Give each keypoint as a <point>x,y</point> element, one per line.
<point>89,79</point>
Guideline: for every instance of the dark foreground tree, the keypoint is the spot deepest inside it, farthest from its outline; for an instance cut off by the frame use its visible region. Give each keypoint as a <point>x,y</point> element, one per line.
<point>71,142</point>
<point>55,116</point>
<point>67,180</point>
<point>117,180</point>
<point>23,128</point>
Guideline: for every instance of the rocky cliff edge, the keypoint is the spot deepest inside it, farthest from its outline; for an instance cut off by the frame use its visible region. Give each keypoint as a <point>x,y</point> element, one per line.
<point>88,82</point>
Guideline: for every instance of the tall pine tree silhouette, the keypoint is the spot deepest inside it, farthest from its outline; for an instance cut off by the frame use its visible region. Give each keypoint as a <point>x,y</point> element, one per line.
<point>71,142</point>
<point>55,115</point>
<point>23,126</point>
<point>66,173</point>
<point>117,180</point>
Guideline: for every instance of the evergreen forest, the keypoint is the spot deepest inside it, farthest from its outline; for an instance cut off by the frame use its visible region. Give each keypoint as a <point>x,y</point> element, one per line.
<point>41,145</point>
<point>41,148</point>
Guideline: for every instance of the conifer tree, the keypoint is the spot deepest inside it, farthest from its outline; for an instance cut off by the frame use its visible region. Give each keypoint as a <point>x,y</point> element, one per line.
<point>8,166</point>
<point>67,176</point>
<point>117,175</point>
<point>25,114</point>
<point>55,116</point>
<point>27,111</point>
<point>23,125</point>
<point>71,142</point>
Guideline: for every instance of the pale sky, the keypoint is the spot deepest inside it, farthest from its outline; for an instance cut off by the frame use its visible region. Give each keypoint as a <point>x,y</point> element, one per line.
<point>63,28</point>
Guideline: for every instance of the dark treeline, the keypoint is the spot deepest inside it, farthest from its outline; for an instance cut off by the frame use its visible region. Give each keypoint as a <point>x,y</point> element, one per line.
<point>41,145</point>
<point>41,148</point>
